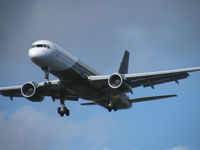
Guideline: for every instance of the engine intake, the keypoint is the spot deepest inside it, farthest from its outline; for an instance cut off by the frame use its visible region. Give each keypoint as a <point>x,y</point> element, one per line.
<point>115,81</point>
<point>29,91</point>
<point>118,83</point>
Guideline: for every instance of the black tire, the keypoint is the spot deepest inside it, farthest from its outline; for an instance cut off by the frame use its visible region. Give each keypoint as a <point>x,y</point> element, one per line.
<point>109,109</point>
<point>61,113</point>
<point>59,110</point>
<point>67,112</point>
<point>114,108</point>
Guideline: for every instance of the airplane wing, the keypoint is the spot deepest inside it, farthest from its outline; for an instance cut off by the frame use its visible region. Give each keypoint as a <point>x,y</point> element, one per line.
<point>145,79</point>
<point>55,90</point>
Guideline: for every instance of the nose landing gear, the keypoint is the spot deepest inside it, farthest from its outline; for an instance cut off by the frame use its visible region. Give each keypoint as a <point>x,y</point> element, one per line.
<point>46,72</point>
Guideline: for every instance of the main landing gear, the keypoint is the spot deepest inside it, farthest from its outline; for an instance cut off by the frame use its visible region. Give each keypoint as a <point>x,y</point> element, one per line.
<point>111,106</point>
<point>63,109</point>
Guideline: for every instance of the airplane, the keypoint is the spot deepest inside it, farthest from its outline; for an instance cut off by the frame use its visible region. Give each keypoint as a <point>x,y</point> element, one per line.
<point>77,80</point>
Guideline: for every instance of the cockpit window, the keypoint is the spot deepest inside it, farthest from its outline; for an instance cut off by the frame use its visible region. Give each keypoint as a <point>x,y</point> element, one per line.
<point>41,45</point>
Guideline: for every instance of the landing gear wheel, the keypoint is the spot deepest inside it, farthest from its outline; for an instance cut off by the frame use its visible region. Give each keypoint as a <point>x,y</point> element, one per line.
<point>115,109</point>
<point>63,109</point>
<point>60,111</point>
<point>66,111</point>
<point>110,106</point>
<point>109,109</point>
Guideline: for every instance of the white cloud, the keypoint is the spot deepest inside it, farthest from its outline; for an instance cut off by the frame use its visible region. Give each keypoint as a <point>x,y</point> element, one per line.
<point>32,129</point>
<point>181,148</point>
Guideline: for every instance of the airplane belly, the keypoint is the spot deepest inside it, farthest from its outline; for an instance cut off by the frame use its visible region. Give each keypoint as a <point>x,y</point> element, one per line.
<point>117,102</point>
<point>72,80</point>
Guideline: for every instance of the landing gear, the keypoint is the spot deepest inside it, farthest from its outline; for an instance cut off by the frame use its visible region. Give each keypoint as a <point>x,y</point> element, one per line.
<point>63,109</point>
<point>111,106</point>
<point>46,72</point>
<point>114,108</point>
<point>109,109</point>
<point>46,75</point>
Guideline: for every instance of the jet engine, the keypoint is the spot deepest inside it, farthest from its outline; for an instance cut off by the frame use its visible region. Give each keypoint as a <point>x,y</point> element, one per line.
<point>30,91</point>
<point>118,82</point>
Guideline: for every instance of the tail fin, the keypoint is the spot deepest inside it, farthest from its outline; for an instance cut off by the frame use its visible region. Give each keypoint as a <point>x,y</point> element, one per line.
<point>124,64</point>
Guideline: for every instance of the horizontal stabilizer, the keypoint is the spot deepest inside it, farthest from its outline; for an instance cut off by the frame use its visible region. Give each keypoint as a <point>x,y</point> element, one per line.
<point>150,98</point>
<point>92,103</point>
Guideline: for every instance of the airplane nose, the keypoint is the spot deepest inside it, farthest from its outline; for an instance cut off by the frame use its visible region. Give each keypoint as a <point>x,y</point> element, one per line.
<point>37,55</point>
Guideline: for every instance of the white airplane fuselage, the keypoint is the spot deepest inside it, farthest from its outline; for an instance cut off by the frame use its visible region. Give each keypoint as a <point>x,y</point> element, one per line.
<point>72,72</point>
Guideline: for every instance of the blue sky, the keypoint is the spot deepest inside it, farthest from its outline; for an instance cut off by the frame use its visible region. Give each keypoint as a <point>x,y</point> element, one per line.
<point>160,35</point>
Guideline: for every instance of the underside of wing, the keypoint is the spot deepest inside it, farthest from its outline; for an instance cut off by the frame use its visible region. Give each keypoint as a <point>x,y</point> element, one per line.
<point>13,91</point>
<point>155,78</point>
<point>36,92</point>
<point>145,79</point>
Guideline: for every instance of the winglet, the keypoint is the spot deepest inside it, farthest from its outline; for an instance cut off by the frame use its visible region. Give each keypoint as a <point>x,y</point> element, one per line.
<point>124,64</point>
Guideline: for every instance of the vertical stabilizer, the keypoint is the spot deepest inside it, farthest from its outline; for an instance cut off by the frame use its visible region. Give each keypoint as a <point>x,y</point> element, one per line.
<point>124,64</point>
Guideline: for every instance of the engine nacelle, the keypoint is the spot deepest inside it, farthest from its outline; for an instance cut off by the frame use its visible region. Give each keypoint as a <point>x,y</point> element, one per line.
<point>115,80</point>
<point>29,90</point>
<point>118,82</point>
